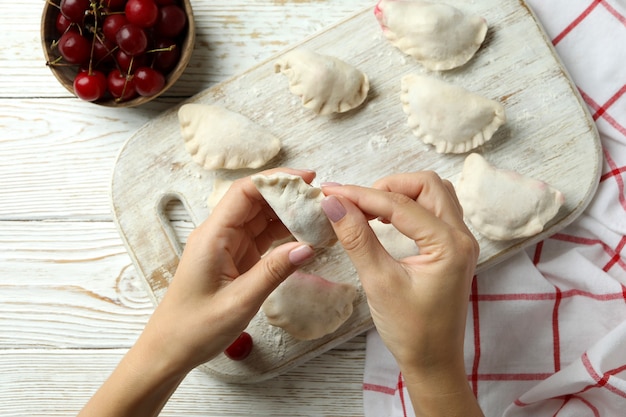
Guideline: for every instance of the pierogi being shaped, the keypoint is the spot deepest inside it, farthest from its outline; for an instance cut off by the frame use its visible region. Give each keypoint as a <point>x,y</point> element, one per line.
<point>298,205</point>
<point>438,36</point>
<point>308,306</point>
<point>503,204</point>
<point>325,84</point>
<point>449,117</point>
<point>220,138</point>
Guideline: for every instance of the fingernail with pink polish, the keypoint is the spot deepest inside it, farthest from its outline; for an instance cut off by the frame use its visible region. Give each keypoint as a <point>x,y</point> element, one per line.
<point>333,208</point>
<point>301,254</point>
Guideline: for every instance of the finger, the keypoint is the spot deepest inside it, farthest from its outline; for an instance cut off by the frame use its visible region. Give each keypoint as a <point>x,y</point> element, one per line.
<point>256,284</point>
<point>354,233</point>
<point>407,215</point>
<point>430,191</point>
<point>452,192</point>
<point>247,255</point>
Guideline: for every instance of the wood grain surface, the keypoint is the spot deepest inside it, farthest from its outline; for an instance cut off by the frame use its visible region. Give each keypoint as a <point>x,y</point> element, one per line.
<point>71,301</point>
<point>548,135</point>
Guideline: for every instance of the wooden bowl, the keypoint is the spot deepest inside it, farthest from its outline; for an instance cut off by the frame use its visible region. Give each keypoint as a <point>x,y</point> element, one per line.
<point>65,73</point>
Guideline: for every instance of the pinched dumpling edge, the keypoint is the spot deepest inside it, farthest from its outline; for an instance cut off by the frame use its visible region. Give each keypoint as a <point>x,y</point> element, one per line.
<point>298,205</point>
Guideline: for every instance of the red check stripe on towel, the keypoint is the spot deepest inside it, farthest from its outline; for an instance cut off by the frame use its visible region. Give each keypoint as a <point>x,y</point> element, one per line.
<point>546,330</point>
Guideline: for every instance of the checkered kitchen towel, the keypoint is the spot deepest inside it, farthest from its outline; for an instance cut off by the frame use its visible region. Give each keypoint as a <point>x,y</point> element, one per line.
<point>546,330</point>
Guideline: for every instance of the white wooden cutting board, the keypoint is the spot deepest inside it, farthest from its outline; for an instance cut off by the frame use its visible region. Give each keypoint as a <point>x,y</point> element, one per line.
<point>549,135</point>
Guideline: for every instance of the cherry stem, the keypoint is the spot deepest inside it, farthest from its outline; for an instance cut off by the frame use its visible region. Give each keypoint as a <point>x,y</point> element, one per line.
<point>166,49</point>
<point>57,61</point>
<point>126,78</point>
<point>51,3</point>
<point>94,8</point>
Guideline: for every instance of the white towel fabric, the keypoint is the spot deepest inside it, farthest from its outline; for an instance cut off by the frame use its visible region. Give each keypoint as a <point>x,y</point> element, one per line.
<point>546,329</point>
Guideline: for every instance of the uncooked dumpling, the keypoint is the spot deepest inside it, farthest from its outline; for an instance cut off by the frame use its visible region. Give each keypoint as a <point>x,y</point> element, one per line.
<point>298,205</point>
<point>325,84</point>
<point>220,138</point>
<point>438,36</point>
<point>220,186</point>
<point>449,117</point>
<point>502,204</point>
<point>308,306</point>
<point>395,242</point>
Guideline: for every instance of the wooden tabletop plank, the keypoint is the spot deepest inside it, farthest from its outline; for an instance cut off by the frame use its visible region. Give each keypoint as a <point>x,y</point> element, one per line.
<point>70,301</point>
<point>39,382</point>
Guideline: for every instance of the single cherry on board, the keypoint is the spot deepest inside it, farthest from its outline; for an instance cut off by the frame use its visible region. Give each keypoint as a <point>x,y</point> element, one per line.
<point>240,348</point>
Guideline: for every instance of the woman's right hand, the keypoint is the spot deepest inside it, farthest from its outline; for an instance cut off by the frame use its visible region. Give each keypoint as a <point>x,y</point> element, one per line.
<point>419,303</point>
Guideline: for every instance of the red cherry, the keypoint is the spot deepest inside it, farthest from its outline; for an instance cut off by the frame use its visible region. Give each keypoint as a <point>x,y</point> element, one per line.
<point>125,61</point>
<point>74,10</point>
<point>148,81</point>
<point>132,39</point>
<point>164,2</point>
<point>90,86</point>
<point>102,51</point>
<point>74,47</point>
<point>112,24</point>
<point>171,22</point>
<point>165,60</point>
<point>142,13</point>
<point>240,348</point>
<point>62,23</point>
<point>120,86</point>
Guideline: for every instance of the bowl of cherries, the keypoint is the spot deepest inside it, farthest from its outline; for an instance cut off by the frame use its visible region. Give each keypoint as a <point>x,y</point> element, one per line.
<point>117,53</point>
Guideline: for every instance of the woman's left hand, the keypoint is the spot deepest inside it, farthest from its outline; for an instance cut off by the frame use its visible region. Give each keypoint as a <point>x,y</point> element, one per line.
<point>222,278</point>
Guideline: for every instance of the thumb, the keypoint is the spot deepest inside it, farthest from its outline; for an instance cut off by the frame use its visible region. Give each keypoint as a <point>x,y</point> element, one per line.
<point>271,270</point>
<point>354,232</point>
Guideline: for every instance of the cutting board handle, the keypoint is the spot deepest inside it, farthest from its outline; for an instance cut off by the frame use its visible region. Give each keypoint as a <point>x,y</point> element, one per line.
<point>165,222</point>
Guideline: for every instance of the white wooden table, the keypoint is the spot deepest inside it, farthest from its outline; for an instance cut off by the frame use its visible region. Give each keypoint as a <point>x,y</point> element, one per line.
<point>71,303</point>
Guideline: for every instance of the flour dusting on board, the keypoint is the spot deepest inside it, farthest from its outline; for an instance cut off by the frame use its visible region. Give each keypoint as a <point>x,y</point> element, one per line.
<point>377,142</point>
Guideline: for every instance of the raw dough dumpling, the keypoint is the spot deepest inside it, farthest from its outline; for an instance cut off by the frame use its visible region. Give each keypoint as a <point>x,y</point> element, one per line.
<point>308,306</point>
<point>220,186</point>
<point>438,36</point>
<point>298,205</point>
<point>449,117</point>
<point>503,204</point>
<point>325,84</point>
<point>395,242</point>
<point>220,138</point>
